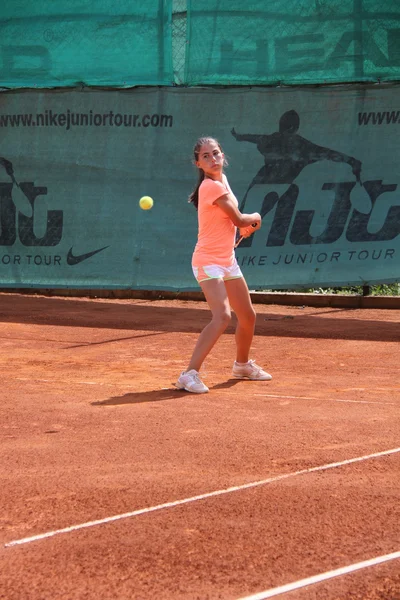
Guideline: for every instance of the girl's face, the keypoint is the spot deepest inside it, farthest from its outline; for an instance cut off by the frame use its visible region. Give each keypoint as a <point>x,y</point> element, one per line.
<point>211,159</point>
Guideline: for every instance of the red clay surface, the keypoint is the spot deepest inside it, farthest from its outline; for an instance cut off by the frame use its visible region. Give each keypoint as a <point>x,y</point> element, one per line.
<point>92,427</point>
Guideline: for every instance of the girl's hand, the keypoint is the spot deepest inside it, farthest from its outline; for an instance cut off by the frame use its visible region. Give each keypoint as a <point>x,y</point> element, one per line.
<point>255,222</point>
<point>247,231</point>
<point>250,229</point>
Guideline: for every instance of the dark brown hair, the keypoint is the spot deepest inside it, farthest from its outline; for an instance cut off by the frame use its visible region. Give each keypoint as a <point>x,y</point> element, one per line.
<point>194,196</point>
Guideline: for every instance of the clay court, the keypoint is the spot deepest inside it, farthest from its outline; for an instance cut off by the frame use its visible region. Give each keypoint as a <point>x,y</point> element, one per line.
<point>117,486</point>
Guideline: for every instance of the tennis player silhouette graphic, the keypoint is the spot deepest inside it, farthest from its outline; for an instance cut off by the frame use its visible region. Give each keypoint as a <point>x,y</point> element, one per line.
<point>19,198</point>
<point>286,154</point>
<point>7,166</point>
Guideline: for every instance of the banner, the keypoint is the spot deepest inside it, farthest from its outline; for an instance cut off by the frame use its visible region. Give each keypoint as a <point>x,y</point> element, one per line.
<point>62,43</point>
<point>265,42</point>
<point>321,165</point>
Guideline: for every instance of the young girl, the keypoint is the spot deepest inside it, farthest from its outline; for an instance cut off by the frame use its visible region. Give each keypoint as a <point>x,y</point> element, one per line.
<point>216,270</point>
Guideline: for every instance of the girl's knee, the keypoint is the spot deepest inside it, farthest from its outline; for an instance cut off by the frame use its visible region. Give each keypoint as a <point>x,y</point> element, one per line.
<point>223,318</point>
<point>248,319</point>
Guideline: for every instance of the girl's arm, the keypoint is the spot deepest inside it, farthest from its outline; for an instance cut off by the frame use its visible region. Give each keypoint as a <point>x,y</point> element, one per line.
<point>228,205</point>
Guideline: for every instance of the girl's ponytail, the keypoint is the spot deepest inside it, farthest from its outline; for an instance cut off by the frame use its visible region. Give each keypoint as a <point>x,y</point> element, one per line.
<point>194,196</point>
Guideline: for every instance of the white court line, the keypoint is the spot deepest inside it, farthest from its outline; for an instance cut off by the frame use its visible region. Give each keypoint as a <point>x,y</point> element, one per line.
<point>229,490</point>
<point>322,577</point>
<point>113,385</point>
<point>330,399</point>
<point>365,402</point>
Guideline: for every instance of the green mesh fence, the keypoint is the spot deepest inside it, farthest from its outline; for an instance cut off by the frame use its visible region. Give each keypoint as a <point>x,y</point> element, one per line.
<point>179,39</point>
<point>198,42</point>
<point>65,43</point>
<point>264,42</point>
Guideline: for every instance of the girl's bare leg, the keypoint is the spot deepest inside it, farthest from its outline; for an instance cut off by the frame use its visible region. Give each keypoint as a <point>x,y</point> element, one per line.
<point>217,298</point>
<point>240,301</point>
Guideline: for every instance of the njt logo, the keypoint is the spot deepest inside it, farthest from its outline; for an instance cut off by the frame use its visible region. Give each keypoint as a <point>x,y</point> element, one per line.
<point>17,219</point>
<point>23,225</point>
<point>286,154</point>
<point>298,224</point>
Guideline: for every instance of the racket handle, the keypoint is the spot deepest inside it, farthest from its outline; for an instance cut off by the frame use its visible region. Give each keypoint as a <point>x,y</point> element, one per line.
<point>238,242</point>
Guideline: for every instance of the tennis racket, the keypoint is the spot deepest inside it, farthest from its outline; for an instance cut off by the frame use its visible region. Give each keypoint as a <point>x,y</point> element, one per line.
<point>267,205</point>
<point>242,236</point>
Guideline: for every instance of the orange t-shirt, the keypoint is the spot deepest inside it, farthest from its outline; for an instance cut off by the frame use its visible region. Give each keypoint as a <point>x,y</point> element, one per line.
<point>216,236</point>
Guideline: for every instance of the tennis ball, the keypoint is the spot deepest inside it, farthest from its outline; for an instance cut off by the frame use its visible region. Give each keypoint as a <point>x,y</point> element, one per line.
<point>146,203</point>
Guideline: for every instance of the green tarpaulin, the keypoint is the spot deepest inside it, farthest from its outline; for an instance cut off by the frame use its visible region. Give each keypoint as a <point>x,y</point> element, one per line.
<point>321,165</point>
<point>265,42</point>
<point>61,43</point>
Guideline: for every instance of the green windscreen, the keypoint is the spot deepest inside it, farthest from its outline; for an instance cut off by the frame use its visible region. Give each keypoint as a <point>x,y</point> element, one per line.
<point>320,165</point>
<point>264,42</point>
<point>69,42</point>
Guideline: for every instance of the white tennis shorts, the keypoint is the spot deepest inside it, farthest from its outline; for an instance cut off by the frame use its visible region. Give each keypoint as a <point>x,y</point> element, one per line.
<point>217,272</point>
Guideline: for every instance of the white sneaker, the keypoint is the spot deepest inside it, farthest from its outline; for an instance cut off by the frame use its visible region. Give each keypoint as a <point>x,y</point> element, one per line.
<point>250,371</point>
<point>191,382</point>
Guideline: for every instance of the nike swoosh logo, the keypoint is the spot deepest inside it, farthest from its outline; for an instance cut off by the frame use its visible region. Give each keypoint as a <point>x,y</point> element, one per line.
<point>75,260</point>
